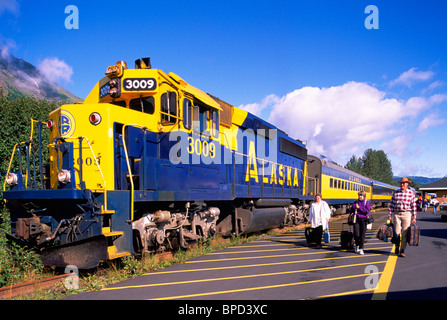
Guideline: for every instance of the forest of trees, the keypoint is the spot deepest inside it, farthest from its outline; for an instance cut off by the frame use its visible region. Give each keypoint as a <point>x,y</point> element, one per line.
<point>16,110</point>
<point>15,114</point>
<point>373,164</point>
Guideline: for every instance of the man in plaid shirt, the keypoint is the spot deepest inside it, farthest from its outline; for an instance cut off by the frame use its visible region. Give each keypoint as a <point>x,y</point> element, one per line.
<point>402,211</point>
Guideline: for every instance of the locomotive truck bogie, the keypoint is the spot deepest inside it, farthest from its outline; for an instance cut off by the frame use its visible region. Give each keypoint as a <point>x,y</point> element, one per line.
<point>163,230</point>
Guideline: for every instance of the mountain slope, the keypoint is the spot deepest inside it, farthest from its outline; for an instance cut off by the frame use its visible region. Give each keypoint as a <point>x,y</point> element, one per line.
<point>20,77</point>
<point>418,179</point>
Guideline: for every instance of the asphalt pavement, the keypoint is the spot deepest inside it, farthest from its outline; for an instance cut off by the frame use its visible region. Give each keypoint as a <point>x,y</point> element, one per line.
<point>284,267</point>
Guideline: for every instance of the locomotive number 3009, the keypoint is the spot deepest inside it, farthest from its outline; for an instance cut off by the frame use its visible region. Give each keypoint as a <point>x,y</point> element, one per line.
<point>139,84</point>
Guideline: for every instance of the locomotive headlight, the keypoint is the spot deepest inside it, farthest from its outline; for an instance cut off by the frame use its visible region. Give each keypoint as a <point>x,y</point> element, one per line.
<point>64,176</point>
<point>117,70</point>
<point>11,179</point>
<point>109,70</point>
<point>95,118</point>
<point>114,83</point>
<point>115,88</point>
<point>114,93</point>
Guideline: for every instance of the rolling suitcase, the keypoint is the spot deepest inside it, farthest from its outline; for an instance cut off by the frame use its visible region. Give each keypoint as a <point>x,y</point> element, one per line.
<point>346,238</point>
<point>413,235</point>
<point>310,235</point>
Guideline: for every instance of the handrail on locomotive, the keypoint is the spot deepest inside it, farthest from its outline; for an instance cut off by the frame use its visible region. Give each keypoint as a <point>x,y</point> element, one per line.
<point>64,176</point>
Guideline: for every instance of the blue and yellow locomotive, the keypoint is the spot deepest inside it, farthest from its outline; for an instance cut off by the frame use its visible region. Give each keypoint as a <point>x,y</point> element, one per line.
<point>149,163</point>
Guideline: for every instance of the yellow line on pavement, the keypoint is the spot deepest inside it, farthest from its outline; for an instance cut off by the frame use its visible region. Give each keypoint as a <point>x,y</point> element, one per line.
<point>262,287</point>
<point>321,251</point>
<point>258,265</point>
<point>385,280</point>
<point>251,251</point>
<point>240,277</point>
<point>340,294</point>
<point>263,245</point>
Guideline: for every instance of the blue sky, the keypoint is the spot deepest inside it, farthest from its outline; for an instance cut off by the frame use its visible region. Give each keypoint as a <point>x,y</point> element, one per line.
<point>310,67</point>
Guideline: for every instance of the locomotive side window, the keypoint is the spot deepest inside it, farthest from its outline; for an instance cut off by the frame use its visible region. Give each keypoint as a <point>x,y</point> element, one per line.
<point>187,112</point>
<point>195,119</point>
<point>215,123</point>
<point>143,104</point>
<point>200,120</point>
<point>119,103</point>
<point>168,108</point>
<point>205,121</point>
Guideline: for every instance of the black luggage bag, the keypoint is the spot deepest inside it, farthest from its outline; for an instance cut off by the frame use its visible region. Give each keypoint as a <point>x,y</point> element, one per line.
<point>310,235</point>
<point>346,237</point>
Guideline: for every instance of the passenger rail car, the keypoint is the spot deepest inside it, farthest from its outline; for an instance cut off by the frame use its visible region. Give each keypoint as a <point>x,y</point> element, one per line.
<point>149,163</point>
<point>339,186</point>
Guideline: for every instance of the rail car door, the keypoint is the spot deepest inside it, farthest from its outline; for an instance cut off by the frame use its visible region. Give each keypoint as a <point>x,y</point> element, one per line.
<point>314,169</point>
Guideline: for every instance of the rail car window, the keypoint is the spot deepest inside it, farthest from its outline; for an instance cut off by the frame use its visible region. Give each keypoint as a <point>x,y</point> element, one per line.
<point>187,112</point>
<point>331,183</point>
<point>168,108</point>
<point>143,104</point>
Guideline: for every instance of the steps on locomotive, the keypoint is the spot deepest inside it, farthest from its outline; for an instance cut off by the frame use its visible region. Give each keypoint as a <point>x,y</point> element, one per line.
<point>107,211</point>
<point>111,250</point>
<point>111,236</point>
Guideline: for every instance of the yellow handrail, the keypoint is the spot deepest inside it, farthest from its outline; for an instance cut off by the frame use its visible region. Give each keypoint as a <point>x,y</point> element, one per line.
<point>10,163</point>
<point>29,153</point>
<point>132,187</point>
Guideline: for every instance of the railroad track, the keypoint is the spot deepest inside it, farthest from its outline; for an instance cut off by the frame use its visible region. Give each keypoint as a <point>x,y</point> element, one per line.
<point>15,290</point>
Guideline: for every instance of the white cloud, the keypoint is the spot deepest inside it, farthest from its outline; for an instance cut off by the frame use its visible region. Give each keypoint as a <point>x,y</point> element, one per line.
<point>398,145</point>
<point>5,47</point>
<point>343,120</point>
<point>9,5</point>
<point>411,76</point>
<point>429,121</point>
<point>56,70</point>
<point>256,108</point>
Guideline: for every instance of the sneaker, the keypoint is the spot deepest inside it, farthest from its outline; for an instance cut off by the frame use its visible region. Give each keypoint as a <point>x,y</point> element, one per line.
<point>356,249</point>
<point>361,252</point>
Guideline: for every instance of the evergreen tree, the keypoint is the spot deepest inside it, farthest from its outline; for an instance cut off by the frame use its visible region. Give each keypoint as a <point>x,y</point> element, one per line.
<point>16,112</point>
<point>374,164</point>
<point>355,164</point>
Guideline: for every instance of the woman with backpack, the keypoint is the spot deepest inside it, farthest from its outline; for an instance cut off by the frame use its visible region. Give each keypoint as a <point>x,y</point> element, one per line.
<point>361,208</point>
